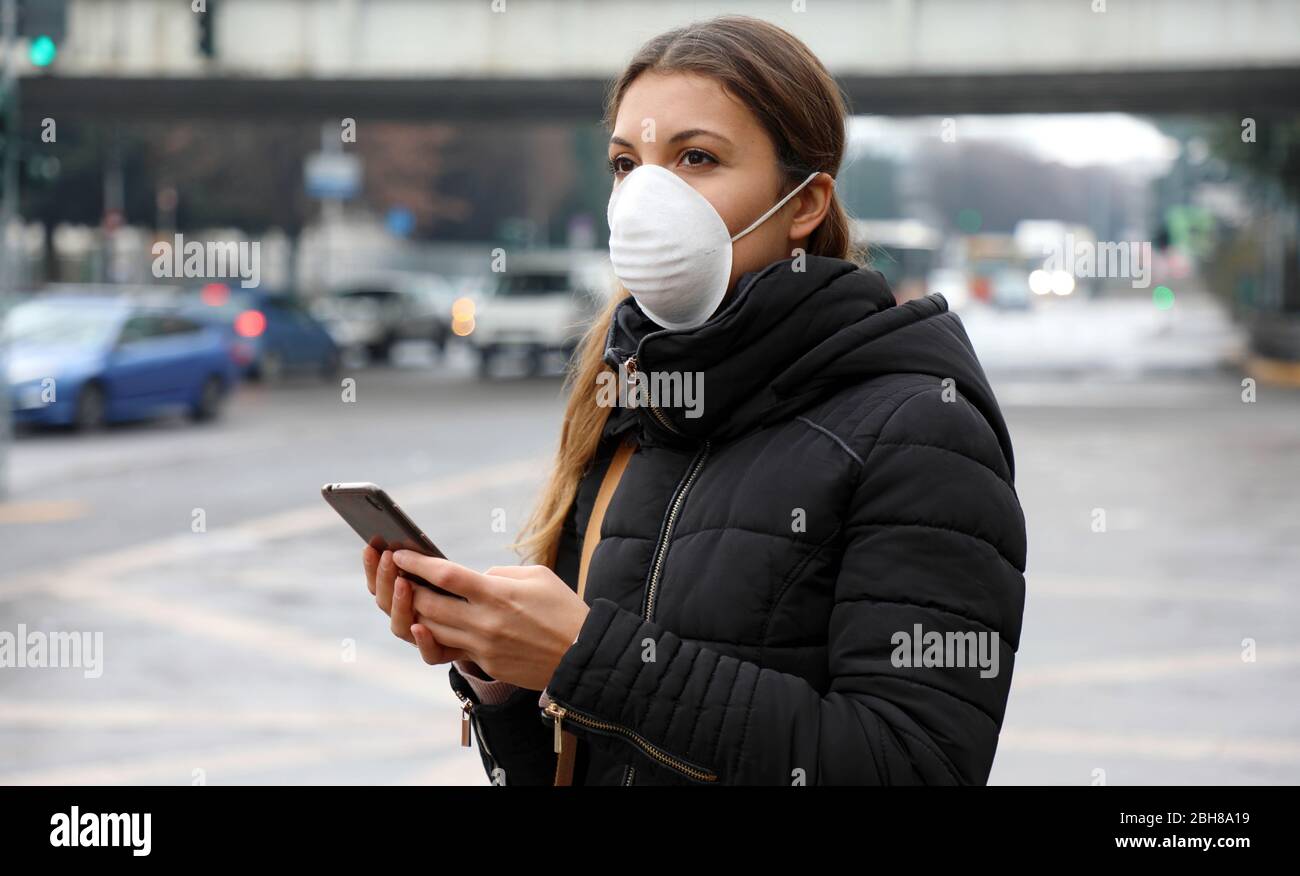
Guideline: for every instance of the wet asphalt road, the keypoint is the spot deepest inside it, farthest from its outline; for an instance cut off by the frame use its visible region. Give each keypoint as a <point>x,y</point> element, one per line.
<point>251,652</point>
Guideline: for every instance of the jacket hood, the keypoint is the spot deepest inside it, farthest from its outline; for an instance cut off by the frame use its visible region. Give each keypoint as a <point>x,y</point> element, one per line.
<point>788,339</point>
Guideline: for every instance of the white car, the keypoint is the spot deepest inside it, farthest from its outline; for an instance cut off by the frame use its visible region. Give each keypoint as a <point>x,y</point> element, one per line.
<point>541,304</point>
<point>376,311</point>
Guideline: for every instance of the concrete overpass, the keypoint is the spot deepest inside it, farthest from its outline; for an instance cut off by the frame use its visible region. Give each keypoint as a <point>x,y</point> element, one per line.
<point>552,59</point>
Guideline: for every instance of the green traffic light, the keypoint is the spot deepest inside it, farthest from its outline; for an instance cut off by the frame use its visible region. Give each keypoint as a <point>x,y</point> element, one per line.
<point>42,51</point>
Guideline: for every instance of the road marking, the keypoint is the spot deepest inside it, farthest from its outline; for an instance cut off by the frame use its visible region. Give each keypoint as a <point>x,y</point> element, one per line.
<point>256,532</point>
<point>1278,372</point>
<point>52,511</point>
<point>1047,740</point>
<point>178,767</point>
<point>1068,393</point>
<point>41,467</point>
<point>94,579</point>
<point>1127,670</point>
<point>1069,587</point>
<point>119,715</point>
<point>409,676</point>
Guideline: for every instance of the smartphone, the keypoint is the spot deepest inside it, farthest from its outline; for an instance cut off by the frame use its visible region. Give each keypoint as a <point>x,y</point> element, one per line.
<point>381,523</point>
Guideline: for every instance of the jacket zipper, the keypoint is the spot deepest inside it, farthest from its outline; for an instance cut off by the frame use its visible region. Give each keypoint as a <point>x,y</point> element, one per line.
<point>661,554</point>
<point>468,716</point>
<point>630,365</point>
<point>561,713</point>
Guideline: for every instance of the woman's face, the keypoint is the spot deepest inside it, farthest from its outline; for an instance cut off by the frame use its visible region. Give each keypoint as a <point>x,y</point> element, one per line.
<point>688,124</point>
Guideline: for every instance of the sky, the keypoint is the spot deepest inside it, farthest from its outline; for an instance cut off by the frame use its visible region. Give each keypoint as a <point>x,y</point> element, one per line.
<point>1076,140</point>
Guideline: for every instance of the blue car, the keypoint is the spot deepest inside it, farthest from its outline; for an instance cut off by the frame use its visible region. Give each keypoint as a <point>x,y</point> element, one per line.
<point>269,334</point>
<point>84,361</point>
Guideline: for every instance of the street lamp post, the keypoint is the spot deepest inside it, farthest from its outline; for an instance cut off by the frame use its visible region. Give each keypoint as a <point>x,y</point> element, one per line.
<point>8,209</point>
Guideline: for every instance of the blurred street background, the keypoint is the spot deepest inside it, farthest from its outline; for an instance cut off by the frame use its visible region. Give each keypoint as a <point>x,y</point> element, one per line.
<point>255,248</point>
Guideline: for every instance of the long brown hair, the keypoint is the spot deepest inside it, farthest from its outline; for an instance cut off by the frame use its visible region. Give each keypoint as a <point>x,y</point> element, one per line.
<point>802,109</point>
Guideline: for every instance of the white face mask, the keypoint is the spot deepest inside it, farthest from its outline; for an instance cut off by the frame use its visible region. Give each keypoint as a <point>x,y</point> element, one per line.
<point>670,248</point>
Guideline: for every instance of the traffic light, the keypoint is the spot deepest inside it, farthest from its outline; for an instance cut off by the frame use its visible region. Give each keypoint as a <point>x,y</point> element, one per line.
<point>43,22</point>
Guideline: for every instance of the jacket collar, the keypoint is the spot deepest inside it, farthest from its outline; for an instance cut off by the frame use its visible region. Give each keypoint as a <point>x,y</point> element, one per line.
<point>789,339</point>
<point>778,319</point>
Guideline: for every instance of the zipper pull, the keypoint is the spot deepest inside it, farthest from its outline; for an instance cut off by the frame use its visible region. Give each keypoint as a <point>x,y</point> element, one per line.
<point>464,722</point>
<point>557,712</point>
<point>629,367</point>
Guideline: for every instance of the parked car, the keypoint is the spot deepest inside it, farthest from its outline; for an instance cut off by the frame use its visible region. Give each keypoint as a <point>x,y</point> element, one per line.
<point>87,360</point>
<point>541,304</point>
<point>1010,288</point>
<point>375,312</point>
<point>269,333</point>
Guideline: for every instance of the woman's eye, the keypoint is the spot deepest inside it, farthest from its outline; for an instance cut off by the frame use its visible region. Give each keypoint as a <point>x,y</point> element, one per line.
<point>697,158</point>
<point>621,165</point>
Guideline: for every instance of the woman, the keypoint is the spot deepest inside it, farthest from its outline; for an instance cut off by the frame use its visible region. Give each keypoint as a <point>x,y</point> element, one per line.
<point>812,576</point>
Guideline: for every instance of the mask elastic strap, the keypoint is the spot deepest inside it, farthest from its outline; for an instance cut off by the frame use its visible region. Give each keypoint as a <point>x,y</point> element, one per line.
<point>777,206</point>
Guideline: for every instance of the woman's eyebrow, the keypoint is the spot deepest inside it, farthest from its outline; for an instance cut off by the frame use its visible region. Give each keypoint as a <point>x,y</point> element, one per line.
<point>675,138</point>
<point>697,132</point>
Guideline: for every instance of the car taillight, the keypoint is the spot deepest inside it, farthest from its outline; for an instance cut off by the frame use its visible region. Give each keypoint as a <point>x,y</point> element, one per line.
<point>215,294</point>
<point>250,323</point>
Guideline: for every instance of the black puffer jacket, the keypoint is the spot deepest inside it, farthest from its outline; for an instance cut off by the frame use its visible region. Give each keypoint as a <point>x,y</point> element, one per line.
<point>849,483</point>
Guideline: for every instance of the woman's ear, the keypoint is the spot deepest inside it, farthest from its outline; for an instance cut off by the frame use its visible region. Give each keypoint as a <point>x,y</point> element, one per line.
<point>811,206</point>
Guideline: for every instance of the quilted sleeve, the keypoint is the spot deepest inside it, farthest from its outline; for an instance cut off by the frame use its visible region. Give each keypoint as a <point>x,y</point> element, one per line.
<point>921,639</point>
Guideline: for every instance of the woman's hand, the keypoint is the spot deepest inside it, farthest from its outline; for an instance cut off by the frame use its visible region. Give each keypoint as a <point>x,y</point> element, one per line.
<point>517,623</point>
<point>393,594</point>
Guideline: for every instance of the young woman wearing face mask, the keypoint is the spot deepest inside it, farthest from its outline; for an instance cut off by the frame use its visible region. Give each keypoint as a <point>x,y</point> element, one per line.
<point>816,576</point>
